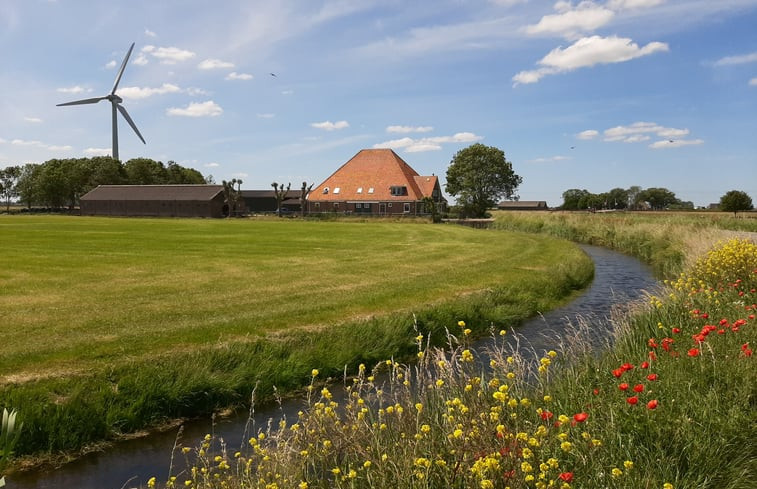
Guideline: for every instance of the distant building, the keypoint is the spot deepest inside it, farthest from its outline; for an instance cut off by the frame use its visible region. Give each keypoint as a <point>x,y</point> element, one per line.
<point>155,200</point>
<point>376,182</point>
<point>258,201</point>
<point>523,205</point>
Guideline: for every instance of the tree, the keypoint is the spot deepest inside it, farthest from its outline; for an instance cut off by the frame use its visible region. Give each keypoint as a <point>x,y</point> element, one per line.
<point>304,191</point>
<point>232,195</point>
<point>574,199</point>
<point>144,171</point>
<point>633,197</point>
<point>479,176</point>
<point>28,192</point>
<point>8,184</point>
<point>735,201</point>
<point>617,198</point>
<point>658,198</point>
<point>281,193</point>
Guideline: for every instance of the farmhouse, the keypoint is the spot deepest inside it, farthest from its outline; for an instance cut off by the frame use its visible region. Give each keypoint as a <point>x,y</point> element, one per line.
<point>523,205</point>
<point>376,182</point>
<point>155,200</point>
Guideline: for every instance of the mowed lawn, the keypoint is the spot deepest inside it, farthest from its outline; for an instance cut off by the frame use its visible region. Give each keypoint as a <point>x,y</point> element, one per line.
<point>82,292</point>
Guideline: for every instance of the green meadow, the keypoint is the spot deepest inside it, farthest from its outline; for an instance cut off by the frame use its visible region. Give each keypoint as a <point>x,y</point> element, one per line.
<point>112,325</point>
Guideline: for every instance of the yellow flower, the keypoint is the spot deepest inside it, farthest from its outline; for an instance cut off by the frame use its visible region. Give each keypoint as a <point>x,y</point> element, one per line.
<point>419,407</point>
<point>336,471</point>
<point>151,482</point>
<point>502,332</point>
<point>303,485</point>
<point>425,428</point>
<point>314,373</point>
<point>667,485</point>
<point>466,331</point>
<point>628,464</point>
<point>367,464</point>
<point>616,472</point>
<point>461,324</point>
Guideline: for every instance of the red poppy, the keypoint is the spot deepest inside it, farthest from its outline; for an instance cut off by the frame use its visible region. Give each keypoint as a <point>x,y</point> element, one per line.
<point>652,377</point>
<point>626,366</point>
<point>632,400</point>
<point>566,476</point>
<point>652,355</point>
<point>704,316</point>
<point>652,343</point>
<point>617,372</point>
<point>748,353</point>
<point>676,330</point>
<point>723,322</point>
<point>652,404</point>
<point>693,352</point>
<point>638,388</point>
<point>623,386</point>
<point>698,338</point>
<point>596,392</point>
<point>645,365</point>
<point>509,474</point>
<point>721,331</point>
<point>580,417</point>
<point>545,415</point>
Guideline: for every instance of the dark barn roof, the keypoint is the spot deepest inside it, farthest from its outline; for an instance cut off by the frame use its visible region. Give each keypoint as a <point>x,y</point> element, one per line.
<point>153,192</point>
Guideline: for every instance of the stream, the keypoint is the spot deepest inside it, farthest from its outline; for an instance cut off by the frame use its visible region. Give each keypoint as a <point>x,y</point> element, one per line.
<point>618,280</point>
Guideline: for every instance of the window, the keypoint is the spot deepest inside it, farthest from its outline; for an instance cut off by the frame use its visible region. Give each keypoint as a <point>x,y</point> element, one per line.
<point>336,190</point>
<point>360,190</point>
<point>358,206</point>
<point>370,190</point>
<point>390,204</point>
<point>325,190</point>
<point>318,205</point>
<point>398,190</point>
<point>407,207</point>
<point>336,205</point>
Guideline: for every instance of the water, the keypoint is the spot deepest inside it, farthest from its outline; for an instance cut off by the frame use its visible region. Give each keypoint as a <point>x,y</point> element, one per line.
<point>618,280</point>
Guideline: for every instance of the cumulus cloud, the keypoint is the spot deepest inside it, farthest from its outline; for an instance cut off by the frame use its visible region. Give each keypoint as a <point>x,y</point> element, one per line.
<point>588,134</point>
<point>214,64</point>
<point>33,120</point>
<point>675,144</point>
<point>330,126</point>
<point>587,52</point>
<point>197,109</point>
<point>737,60</point>
<point>110,64</point>
<point>238,76</point>
<point>39,144</point>
<point>74,89</point>
<point>633,4</point>
<point>636,132</point>
<point>572,21</point>
<point>136,93</point>
<point>428,144</point>
<point>550,159</point>
<point>753,82</point>
<point>211,165</point>
<point>97,151</point>
<point>409,129</point>
<point>140,60</point>
<point>150,33</point>
<point>169,55</point>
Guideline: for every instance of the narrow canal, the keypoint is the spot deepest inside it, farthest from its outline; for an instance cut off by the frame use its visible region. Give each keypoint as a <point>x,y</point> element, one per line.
<point>618,280</point>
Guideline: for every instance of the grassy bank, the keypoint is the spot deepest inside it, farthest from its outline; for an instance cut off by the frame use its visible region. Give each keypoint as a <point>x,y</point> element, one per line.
<point>668,404</point>
<point>114,325</point>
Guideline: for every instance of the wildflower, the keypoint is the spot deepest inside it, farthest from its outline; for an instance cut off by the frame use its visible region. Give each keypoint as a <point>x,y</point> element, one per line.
<point>616,472</point>
<point>303,485</point>
<point>676,330</point>
<point>314,373</point>
<point>367,464</point>
<point>566,476</point>
<point>466,331</point>
<point>652,404</point>
<point>693,352</point>
<point>502,332</point>
<point>644,365</point>
<point>566,446</point>
<point>633,400</point>
<point>628,464</point>
<point>638,388</point>
<point>151,482</point>
<point>667,485</point>
<point>623,386</point>
<point>652,377</point>
<point>467,356</point>
<point>580,417</point>
<point>461,324</point>
<point>336,471</point>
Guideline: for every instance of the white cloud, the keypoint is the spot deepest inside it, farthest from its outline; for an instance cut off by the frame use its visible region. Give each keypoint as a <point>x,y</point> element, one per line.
<point>74,89</point>
<point>197,109</point>
<point>169,55</point>
<point>34,120</point>
<point>507,3</point>
<point>409,129</point>
<point>150,33</point>
<point>110,64</point>
<point>587,52</point>
<point>211,165</point>
<point>737,60</point>
<point>39,144</point>
<point>140,60</point>
<point>675,143</point>
<point>239,76</point>
<point>2,141</point>
<point>588,134</point>
<point>428,144</point>
<point>196,91</point>
<point>330,126</point>
<point>64,147</point>
<point>753,82</point>
<point>550,159</point>
<point>635,131</point>
<point>136,93</point>
<point>266,116</point>
<point>570,22</point>
<point>214,64</point>
<point>287,92</point>
<point>633,4</point>
<point>97,151</point>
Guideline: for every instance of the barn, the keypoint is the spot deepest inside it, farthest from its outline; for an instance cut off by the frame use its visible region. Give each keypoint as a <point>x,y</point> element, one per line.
<point>155,200</point>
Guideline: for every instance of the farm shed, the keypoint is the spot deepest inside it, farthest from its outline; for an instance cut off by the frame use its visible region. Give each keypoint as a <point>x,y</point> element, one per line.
<point>523,205</point>
<point>155,200</point>
<point>265,200</point>
<point>376,182</point>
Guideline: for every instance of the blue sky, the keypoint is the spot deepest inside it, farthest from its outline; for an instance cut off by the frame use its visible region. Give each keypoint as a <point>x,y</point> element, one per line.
<point>583,94</point>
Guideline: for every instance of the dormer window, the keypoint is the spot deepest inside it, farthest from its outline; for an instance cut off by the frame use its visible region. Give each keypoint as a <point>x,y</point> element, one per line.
<point>398,190</point>
<point>336,190</point>
<point>370,190</point>
<point>325,190</point>
<point>360,190</point>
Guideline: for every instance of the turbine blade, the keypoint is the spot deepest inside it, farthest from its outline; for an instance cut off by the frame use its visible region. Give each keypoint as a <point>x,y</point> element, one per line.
<point>84,101</point>
<point>121,70</point>
<point>122,109</point>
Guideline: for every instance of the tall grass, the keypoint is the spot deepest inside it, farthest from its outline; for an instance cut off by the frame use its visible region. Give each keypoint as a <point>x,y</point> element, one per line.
<point>669,402</point>
<point>123,324</point>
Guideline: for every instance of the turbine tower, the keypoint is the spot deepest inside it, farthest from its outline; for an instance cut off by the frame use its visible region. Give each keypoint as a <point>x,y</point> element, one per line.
<point>115,102</point>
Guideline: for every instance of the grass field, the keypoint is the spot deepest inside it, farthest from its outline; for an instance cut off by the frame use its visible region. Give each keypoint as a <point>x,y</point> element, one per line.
<point>132,321</point>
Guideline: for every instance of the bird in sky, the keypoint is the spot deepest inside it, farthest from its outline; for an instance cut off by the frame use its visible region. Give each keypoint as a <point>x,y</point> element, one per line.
<point>273,74</point>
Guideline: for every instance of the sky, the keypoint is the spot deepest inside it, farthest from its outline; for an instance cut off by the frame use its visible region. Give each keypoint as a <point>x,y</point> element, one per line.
<point>593,94</point>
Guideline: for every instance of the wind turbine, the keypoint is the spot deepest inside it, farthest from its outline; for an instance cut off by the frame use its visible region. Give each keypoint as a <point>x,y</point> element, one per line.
<point>115,102</point>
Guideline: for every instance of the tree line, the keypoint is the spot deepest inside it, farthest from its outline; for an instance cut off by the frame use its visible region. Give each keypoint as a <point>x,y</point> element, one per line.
<point>633,198</point>
<point>59,183</point>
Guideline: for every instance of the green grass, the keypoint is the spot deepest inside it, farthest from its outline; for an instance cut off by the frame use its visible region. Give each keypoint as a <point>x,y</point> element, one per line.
<point>113,325</point>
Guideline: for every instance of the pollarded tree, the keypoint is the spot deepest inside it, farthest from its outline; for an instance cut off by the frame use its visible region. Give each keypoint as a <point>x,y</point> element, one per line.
<point>479,177</point>
<point>735,201</point>
<point>304,191</point>
<point>281,193</point>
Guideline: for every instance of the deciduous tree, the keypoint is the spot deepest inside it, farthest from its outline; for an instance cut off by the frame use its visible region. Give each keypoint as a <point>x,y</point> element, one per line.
<point>479,177</point>
<point>735,201</point>
<point>8,184</point>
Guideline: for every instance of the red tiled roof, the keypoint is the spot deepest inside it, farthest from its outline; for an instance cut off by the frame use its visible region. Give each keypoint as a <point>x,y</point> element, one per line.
<point>376,169</point>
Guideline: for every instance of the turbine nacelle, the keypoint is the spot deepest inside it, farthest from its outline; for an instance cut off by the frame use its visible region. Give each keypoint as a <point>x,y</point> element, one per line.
<point>115,102</point>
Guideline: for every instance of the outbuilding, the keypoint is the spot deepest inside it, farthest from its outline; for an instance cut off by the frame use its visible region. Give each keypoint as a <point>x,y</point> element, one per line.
<point>155,200</point>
